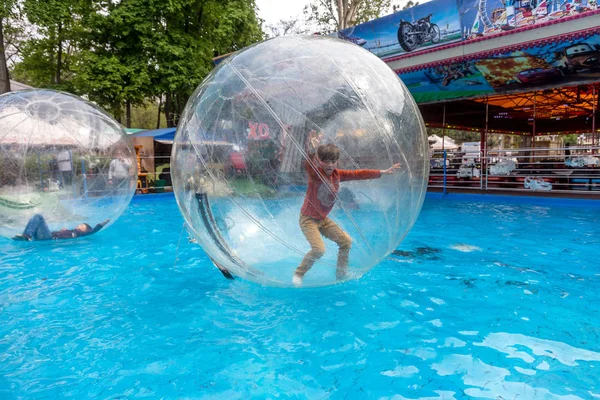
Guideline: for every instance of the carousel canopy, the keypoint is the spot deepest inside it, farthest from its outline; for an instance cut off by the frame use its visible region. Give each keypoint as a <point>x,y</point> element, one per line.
<point>550,111</point>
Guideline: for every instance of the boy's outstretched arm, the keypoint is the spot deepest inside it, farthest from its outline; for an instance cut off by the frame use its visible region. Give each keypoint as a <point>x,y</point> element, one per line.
<point>362,174</point>
<point>312,143</point>
<point>391,169</point>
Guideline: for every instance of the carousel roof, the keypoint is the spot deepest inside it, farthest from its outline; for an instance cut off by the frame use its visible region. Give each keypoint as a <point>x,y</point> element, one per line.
<point>549,111</point>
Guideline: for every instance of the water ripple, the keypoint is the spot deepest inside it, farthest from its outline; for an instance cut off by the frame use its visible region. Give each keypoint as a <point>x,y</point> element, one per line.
<point>118,315</point>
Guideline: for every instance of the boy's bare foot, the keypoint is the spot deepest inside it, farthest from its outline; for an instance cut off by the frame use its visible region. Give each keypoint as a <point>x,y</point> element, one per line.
<point>341,274</point>
<point>23,237</point>
<point>297,280</point>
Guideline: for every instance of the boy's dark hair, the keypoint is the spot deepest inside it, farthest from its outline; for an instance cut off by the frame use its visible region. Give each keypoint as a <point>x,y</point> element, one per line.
<point>328,152</point>
<point>88,229</point>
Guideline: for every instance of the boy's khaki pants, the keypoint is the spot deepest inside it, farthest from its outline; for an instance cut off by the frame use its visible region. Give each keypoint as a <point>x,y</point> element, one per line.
<point>313,229</point>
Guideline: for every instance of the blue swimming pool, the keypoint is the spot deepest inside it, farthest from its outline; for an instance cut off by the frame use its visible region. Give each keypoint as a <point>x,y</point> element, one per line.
<point>488,297</point>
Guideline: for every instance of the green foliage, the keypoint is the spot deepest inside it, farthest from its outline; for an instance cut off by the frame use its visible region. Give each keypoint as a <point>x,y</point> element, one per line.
<point>250,188</point>
<point>494,141</point>
<point>330,18</point>
<point>457,135</point>
<point>13,28</point>
<point>369,10</point>
<point>190,36</point>
<point>145,116</point>
<point>101,78</point>
<point>48,55</point>
<point>261,161</point>
<point>231,25</point>
<point>38,67</point>
<point>111,68</point>
<point>131,51</point>
<point>570,139</point>
<point>410,4</point>
<point>9,12</point>
<point>8,8</point>
<point>463,136</point>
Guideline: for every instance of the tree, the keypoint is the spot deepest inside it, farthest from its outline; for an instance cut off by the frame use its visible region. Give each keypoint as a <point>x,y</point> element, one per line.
<point>4,77</point>
<point>409,4</point>
<point>459,136</point>
<point>144,116</point>
<point>337,15</point>
<point>290,26</point>
<point>112,68</point>
<point>571,139</point>
<point>121,54</point>
<point>8,12</point>
<point>188,34</point>
<point>38,65</point>
<point>47,57</point>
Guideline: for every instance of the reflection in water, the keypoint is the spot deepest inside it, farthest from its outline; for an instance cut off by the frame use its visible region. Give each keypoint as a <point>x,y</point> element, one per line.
<point>484,380</point>
<point>562,352</point>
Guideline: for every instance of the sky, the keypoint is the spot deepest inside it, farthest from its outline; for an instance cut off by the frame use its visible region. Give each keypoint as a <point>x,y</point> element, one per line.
<point>272,11</point>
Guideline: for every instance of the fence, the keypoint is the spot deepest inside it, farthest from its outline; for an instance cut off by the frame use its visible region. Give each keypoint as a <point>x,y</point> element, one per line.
<point>568,170</point>
<point>571,170</point>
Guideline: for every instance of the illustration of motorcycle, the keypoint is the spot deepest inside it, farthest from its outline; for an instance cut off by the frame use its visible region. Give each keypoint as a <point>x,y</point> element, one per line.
<point>410,36</point>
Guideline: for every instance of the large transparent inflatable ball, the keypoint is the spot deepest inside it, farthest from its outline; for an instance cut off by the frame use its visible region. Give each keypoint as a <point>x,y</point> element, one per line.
<point>62,158</point>
<point>244,153</point>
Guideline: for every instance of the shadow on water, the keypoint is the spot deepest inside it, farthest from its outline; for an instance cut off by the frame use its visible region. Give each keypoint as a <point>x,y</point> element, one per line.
<point>423,252</point>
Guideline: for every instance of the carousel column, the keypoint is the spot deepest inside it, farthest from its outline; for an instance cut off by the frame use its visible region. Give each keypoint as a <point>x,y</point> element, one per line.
<point>533,131</point>
<point>443,145</point>
<point>443,126</point>
<point>483,147</point>
<point>595,135</point>
<point>525,145</point>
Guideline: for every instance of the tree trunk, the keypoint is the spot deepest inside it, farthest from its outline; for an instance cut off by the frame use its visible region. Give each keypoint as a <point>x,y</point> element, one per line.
<point>158,118</point>
<point>4,77</point>
<point>52,39</point>
<point>128,113</point>
<point>59,54</point>
<point>118,113</point>
<point>340,11</point>
<point>180,107</point>
<point>346,12</point>
<point>168,111</point>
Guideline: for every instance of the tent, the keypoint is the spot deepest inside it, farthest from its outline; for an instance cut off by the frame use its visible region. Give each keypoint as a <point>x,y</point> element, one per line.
<point>445,143</point>
<point>15,86</point>
<point>150,157</point>
<point>164,135</point>
<point>167,136</point>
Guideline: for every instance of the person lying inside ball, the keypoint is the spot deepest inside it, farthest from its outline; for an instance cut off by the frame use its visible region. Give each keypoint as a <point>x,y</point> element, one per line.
<point>37,229</point>
<point>323,186</point>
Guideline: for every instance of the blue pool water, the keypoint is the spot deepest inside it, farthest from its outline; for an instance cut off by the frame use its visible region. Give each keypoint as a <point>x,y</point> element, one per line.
<point>488,297</point>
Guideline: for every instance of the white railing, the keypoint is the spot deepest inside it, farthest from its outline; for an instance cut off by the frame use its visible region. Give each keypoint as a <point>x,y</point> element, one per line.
<point>544,170</point>
<point>570,170</point>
